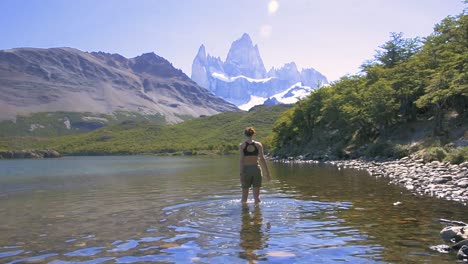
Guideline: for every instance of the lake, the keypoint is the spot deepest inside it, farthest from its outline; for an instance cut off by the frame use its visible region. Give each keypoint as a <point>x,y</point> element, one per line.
<point>143,209</point>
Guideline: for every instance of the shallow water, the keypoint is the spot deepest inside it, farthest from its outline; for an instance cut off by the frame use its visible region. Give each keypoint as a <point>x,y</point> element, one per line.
<point>142,209</point>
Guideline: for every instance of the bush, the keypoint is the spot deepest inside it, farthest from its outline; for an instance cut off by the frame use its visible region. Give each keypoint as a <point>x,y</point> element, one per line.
<point>386,149</point>
<point>457,156</point>
<point>377,149</point>
<point>400,151</point>
<point>434,153</point>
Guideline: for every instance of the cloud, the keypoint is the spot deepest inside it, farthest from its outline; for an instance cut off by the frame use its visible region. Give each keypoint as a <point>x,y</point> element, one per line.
<point>273,6</point>
<point>265,30</point>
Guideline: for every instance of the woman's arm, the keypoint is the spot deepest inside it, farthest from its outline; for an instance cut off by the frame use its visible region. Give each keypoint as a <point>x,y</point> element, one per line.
<point>241,161</point>
<point>263,163</point>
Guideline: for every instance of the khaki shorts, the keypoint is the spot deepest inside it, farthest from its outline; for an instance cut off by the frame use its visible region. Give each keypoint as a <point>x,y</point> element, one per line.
<point>252,176</point>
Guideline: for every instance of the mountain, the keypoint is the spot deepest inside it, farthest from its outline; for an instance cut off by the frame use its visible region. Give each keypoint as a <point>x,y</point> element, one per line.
<point>244,59</point>
<point>243,80</point>
<point>65,79</point>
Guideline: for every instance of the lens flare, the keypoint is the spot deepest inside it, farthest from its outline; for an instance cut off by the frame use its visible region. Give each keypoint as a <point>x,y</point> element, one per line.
<point>265,30</point>
<point>273,7</point>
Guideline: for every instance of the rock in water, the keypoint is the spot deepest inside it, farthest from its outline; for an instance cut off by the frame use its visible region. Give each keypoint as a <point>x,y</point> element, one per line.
<point>460,244</point>
<point>463,254</point>
<point>441,248</point>
<point>454,233</point>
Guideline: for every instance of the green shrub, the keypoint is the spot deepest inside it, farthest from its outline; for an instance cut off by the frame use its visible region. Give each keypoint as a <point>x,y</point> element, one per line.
<point>400,151</point>
<point>376,149</point>
<point>434,153</point>
<point>387,149</point>
<point>457,155</point>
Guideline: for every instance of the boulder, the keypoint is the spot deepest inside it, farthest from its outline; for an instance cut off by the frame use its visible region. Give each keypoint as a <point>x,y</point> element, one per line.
<point>463,184</point>
<point>463,253</point>
<point>454,233</point>
<point>187,153</point>
<point>49,153</point>
<point>443,179</point>
<point>460,244</point>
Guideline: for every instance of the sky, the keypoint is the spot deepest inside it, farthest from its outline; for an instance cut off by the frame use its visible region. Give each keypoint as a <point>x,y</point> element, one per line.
<point>334,37</point>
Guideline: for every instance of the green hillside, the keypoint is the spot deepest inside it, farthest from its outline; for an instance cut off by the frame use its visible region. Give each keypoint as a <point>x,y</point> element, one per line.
<point>412,97</point>
<point>52,124</point>
<point>219,133</point>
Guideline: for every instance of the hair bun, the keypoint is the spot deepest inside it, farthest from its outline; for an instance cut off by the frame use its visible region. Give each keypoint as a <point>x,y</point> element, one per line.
<point>249,131</point>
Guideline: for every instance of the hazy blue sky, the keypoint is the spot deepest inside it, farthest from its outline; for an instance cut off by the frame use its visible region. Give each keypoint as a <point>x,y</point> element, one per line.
<point>333,36</point>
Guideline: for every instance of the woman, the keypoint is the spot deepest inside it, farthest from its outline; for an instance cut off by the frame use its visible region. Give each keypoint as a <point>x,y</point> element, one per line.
<point>251,152</point>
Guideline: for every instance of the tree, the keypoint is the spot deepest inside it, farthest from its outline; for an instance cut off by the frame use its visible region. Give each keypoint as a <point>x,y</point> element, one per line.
<point>446,54</point>
<point>397,49</point>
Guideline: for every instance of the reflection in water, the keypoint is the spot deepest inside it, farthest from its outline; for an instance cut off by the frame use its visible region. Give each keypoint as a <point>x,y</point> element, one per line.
<point>252,237</point>
<point>187,210</point>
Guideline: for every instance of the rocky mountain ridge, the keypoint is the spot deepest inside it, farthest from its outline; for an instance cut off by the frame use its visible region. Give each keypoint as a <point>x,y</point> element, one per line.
<point>243,80</point>
<point>65,79</point>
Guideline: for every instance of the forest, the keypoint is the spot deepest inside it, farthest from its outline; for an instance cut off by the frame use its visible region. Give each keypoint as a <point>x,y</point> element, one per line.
<point>412,97</point>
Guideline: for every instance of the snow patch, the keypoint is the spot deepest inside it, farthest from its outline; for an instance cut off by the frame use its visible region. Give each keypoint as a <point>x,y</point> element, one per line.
<point>254,100</point>
<point>93,118</point>
<point>291,95</point>
<point>224,78</point>
<point>67,123</point>
<point>35,126</point>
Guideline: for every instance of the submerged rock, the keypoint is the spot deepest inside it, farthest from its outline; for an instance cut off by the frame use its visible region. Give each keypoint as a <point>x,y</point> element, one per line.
<point>460,244</point>
<point>463,254</point>
<point>441,248</point>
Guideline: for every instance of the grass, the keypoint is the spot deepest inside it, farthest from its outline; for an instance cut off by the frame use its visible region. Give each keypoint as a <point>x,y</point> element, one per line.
<point>53,124</point>
<point>220,133</point>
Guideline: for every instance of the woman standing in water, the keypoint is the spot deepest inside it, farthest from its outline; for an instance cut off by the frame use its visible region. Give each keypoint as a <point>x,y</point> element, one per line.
<point>251,152</point>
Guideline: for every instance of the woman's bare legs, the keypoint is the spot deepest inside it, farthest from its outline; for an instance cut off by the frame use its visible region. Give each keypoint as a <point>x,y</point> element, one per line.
<point>256,194</point>
<point>245,194</point>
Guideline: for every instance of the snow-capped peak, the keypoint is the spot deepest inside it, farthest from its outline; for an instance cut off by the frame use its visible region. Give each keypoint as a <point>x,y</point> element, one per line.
<point>243,81</point>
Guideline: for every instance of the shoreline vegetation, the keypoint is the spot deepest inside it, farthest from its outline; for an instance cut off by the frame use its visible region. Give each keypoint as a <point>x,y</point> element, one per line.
<point>29,154</point>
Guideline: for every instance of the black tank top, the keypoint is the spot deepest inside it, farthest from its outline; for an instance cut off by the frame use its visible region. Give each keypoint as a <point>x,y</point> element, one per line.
<point>252,153</point>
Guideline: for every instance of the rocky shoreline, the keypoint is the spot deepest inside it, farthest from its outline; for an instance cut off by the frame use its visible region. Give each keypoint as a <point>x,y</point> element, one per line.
<point>438,179</point>
<point>29,154</point>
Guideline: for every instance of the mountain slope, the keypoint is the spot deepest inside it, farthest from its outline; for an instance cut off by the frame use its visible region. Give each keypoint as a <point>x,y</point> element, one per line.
<point>65,79</point>
<point>220,132</point>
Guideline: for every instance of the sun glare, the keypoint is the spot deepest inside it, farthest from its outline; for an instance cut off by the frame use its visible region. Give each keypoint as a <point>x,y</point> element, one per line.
<point>273,7</point>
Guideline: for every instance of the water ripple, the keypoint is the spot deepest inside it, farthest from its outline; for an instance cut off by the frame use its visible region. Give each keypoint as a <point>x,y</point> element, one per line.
<point>10,253</point>
<point>220,229</point>
<point>34,259</point>
<point>85,252</point>
<point>93,261</point>
<point>177,218</point>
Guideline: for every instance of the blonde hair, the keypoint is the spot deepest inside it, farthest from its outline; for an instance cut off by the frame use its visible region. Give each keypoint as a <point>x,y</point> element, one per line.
<point>249,132</point>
